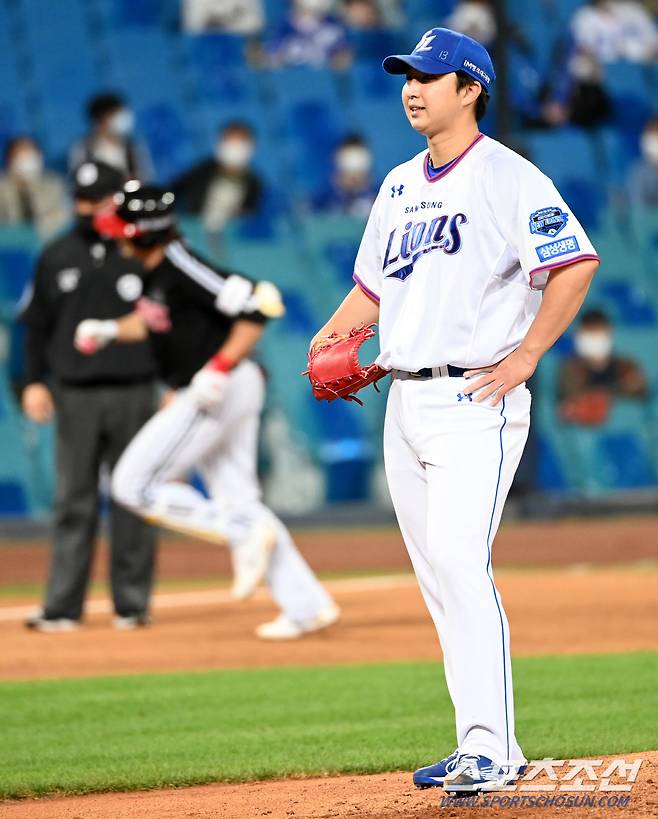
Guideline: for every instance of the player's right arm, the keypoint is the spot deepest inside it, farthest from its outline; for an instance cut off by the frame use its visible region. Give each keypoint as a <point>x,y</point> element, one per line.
<point>357,308</point>
<point>361,305</point>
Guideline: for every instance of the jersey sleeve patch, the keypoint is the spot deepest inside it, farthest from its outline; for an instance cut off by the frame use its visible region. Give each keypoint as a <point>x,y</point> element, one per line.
<point>548,221</point>
<point>561,247</point>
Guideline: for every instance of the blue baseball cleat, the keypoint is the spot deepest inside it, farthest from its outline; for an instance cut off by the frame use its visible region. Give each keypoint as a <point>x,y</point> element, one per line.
<point>432,776</point>
<point>473,773</point>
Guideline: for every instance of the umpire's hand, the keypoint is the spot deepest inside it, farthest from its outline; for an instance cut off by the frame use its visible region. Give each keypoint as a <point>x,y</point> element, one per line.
<point>37,403</point>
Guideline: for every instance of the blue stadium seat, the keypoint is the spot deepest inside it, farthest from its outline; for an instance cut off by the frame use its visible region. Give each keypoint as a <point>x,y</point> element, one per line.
<point>368,79</point>
<point>550,474</point>
<point>344,449</point>
<point>624,461</point>
<point>391,145</point>
<point>562,153</point>
<point>631,304</point>
<point>299,318</point>
<point>13,502</point>
<point>373,45</point>
<point>424,14</point>
<point>630,78</point>
<point>217,64</point>
<point>165,131</point>
<point>631,110</point>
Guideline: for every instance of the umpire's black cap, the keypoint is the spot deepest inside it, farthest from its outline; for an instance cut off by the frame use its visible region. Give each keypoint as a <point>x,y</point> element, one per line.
<point>94,180</point>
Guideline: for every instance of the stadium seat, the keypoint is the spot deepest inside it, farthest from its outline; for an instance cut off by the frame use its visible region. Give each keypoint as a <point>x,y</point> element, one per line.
<point>624,462</point>
<point>165,131</point>
<point>631,304</point>
<point>344,450</point>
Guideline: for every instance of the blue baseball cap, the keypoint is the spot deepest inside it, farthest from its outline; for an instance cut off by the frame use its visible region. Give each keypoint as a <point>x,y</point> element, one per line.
<point>442,51</point>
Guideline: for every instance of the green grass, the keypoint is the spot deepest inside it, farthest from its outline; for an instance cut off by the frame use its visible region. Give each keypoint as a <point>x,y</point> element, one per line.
<point>121,733</point>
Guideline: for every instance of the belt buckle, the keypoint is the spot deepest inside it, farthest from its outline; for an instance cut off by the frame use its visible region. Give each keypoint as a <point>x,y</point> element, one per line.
<point>416,374</point>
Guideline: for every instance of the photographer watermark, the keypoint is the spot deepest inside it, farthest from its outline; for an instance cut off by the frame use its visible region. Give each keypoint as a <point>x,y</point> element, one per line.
<point>562,783</point>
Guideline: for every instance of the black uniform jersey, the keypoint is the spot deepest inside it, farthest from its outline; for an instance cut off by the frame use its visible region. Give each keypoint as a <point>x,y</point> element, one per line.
<point>77,277</point>
<point>189,286</point>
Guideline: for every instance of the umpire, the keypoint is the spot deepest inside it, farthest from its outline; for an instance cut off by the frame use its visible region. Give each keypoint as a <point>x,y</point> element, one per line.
<point>99,403</point>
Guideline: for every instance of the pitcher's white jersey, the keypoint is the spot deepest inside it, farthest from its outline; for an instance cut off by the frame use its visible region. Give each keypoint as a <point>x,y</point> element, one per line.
<point>457,259</point>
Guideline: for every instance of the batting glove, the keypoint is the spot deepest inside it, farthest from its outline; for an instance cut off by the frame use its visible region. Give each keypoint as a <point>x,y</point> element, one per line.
<point>91,335</point>
<point>208,388</point>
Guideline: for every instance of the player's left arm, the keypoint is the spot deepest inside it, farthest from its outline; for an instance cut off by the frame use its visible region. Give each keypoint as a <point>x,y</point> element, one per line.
<point>210,384</point>
<point>563,297</point>
<point>240,341</point>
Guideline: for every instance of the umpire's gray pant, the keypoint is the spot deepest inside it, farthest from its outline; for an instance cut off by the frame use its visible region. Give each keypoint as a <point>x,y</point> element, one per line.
<point>94,425</point>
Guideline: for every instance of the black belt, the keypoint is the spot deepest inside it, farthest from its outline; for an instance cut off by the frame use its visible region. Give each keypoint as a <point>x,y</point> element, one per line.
<point>427,372</point>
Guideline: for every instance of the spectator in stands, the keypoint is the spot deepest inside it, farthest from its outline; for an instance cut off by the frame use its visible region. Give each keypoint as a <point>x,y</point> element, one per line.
<point>351,191</point>
<point>30,194</point>
<point>230,16</point>
<point>223,186</point>
<point>476,19</point>
<point>109,139</point>
<point>643,180</point>
<point>614,30</point>
<point>362,15</point>
<point>591,379</point>
<point>577,95</point>
<point>311,36</point>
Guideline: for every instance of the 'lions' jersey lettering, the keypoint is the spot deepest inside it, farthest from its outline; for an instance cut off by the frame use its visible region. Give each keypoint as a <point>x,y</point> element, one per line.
<point>489,212</point>
<point>442,233</point>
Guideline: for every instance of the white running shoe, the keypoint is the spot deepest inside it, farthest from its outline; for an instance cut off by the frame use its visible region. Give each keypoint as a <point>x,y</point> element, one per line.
<point>284,629</point>
<point>251,560</point>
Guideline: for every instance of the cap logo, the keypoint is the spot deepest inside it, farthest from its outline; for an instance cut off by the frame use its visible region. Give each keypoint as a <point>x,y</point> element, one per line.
<point>425,43</point>
<point>477,70</point>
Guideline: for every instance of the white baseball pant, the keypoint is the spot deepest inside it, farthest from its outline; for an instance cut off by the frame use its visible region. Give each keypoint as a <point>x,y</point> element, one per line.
<point>450,463</point>
<point>222,446</point>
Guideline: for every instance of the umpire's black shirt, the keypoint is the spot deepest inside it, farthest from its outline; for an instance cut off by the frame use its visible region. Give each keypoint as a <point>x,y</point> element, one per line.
<point>80,276</point>
<point>189,286</point>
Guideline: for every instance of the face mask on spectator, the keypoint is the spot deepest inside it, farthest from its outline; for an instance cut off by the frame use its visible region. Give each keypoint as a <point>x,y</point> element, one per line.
<point>595,345</point>
<point>27,164</point>
<point>354,160</point>
<point>235,154</point>
<point>649,146</point>
<point>85,223</point>
<point>121,122</point>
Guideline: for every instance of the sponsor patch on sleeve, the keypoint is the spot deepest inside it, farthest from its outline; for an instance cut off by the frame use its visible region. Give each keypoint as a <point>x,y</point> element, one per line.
<point>548,221</point>
<point>561,247</point>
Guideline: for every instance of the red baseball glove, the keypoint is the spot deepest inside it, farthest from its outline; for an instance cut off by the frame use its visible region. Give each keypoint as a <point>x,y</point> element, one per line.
<point>334,369</point>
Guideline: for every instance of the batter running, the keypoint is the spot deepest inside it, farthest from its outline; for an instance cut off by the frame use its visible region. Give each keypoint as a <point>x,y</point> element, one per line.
<point>205,323</point>
<point>462,242</point>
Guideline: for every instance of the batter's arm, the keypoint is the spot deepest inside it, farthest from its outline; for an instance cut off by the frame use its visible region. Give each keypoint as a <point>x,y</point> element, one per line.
<point>355,310</point>
<point>563,297</point>
<point>241,341</point>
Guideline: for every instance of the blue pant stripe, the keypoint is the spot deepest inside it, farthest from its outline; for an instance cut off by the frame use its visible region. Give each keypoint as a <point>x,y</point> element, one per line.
<point>493,587</point>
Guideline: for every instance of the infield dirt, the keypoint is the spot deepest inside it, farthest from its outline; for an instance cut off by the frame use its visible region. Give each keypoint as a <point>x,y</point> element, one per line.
<point>592,606</point>
<point>384,796</point>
